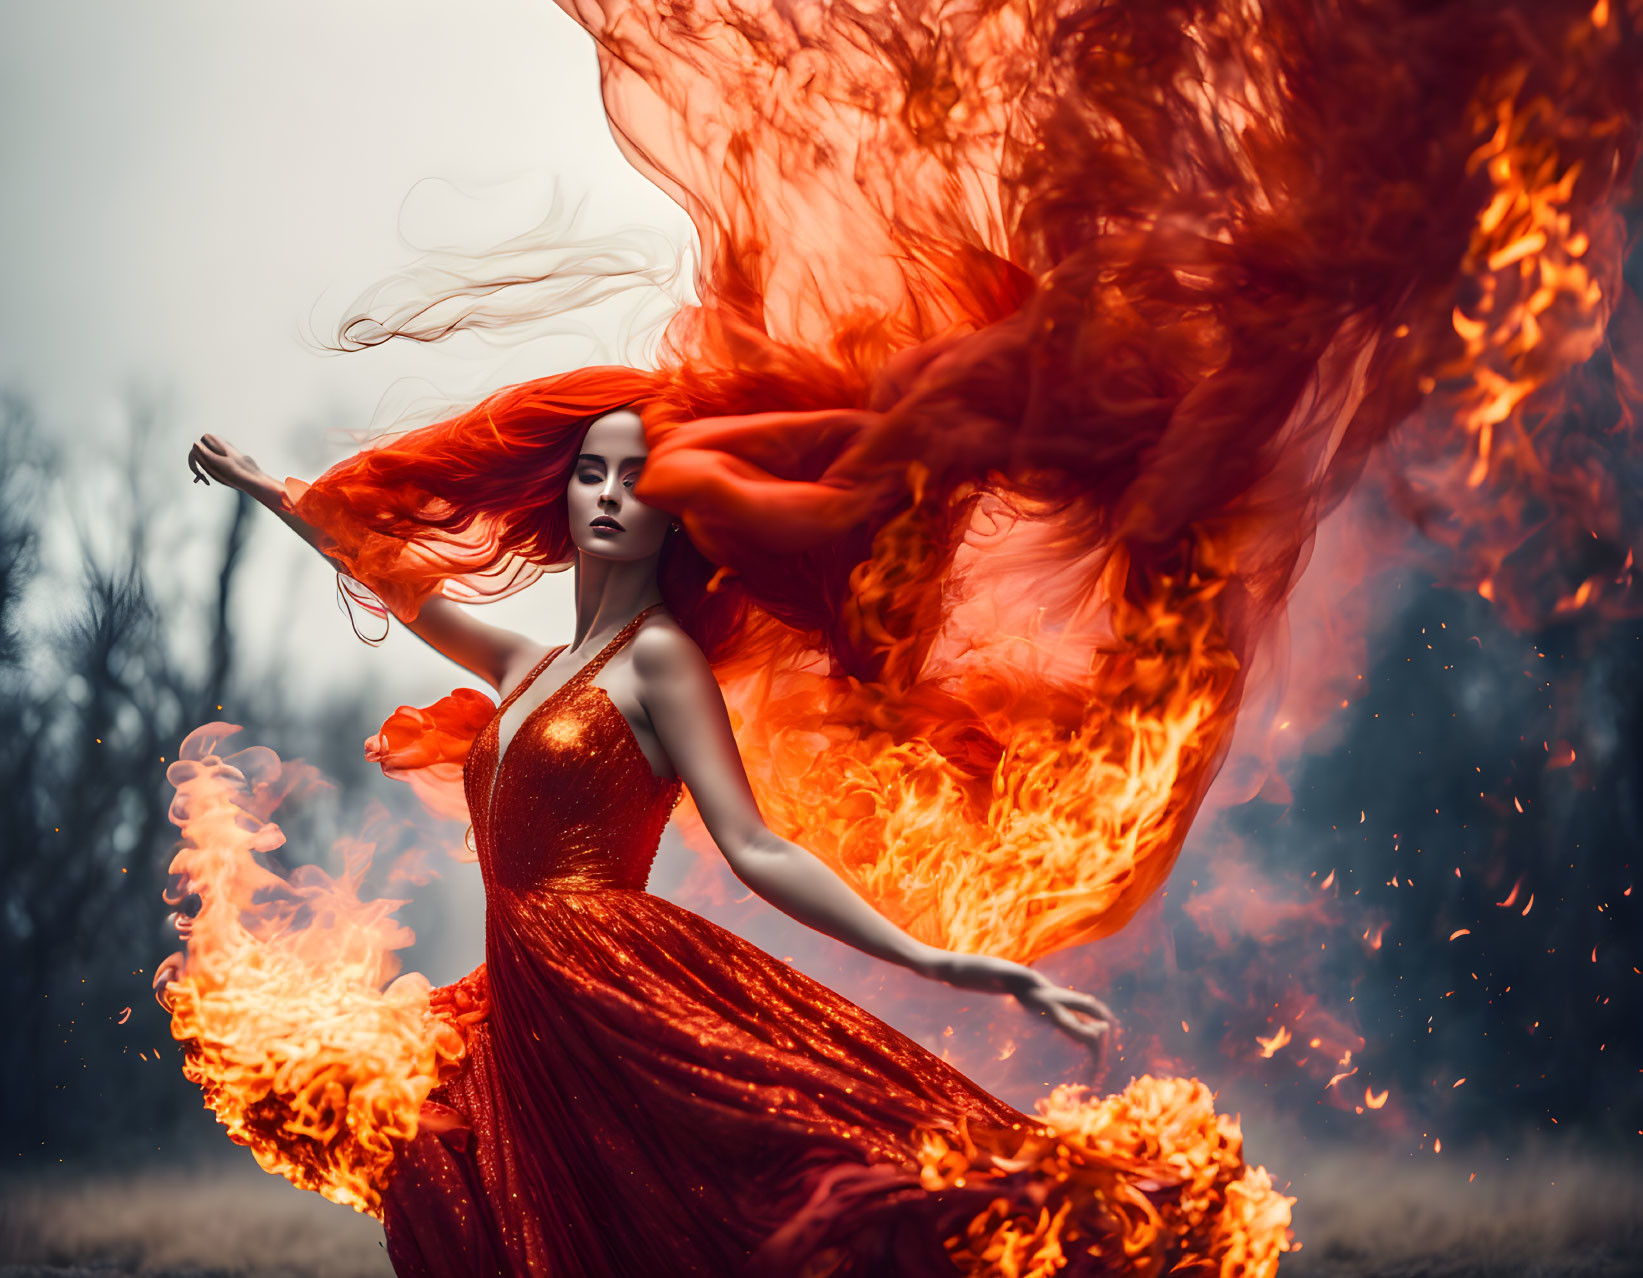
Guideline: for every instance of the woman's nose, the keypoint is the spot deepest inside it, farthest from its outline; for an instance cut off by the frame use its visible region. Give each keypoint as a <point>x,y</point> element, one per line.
<point>610,494</point>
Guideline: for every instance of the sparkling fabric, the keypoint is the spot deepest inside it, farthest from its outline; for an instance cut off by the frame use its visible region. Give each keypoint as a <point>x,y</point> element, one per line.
<point>646,1094</point>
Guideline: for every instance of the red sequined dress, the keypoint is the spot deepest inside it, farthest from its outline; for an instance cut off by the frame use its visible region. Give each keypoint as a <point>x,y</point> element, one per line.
<point>645,1094</point>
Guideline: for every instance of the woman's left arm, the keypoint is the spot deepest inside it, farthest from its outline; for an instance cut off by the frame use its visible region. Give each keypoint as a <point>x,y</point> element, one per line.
<point>687,711</point>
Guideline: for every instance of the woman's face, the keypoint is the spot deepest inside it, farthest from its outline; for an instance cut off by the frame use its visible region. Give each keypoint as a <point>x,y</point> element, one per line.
<point>606,519</point>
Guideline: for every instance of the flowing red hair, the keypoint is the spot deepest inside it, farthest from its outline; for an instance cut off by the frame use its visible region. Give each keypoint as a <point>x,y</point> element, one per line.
<point>476,501</point>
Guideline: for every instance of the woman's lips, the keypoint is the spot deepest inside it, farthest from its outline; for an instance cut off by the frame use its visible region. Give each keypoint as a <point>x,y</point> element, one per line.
<point>605,521</point>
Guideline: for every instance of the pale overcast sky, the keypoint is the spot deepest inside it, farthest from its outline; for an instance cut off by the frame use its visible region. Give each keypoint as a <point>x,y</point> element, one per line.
<point>195,188</point>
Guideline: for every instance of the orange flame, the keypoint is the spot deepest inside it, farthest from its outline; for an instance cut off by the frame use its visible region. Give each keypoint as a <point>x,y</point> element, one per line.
<point>1109,731</point>
<point>305,1047</point>
<point>1526,252</point>
<point>1152,1179</point>
<point>1341,1077</point>
<point>1541,279</point>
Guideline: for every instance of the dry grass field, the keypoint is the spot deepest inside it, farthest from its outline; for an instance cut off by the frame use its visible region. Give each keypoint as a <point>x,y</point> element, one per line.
<point>1368,1217</point>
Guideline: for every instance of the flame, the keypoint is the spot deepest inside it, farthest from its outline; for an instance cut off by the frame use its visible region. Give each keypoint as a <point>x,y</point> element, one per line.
<point>1340,1078</point>
<point>1150,1180</point>
<point>1270,1046</point>
<point>1541,279</point>
<point>307,1049</point>
<point>1526,253</point>
<point>1373,1099</point>
<point>1109,729</point>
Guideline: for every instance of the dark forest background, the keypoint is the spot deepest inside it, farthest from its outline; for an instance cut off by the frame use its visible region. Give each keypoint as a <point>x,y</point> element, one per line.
<point>1453,758</point>
<point>99,683</point>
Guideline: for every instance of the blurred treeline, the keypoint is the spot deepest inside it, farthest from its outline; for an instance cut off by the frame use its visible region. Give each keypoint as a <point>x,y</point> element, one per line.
<point>105,666</point>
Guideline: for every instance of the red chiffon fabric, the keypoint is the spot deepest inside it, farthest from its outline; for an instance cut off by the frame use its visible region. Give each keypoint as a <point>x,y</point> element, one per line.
<point>645,1093</point>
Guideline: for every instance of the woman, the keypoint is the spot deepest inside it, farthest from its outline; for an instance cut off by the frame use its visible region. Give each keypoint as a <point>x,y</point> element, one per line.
<point>1033,342</point>
<point>643,1092</point>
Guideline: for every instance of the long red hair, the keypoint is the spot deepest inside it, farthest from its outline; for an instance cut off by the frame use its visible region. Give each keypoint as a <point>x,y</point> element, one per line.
<point>476,501</point>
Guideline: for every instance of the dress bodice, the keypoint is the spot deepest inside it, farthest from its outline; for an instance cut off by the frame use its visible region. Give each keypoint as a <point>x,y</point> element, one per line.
<point>572,805</point>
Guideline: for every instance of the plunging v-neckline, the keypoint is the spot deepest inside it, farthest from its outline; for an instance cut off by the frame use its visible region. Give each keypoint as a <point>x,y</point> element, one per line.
<point>553,654</point>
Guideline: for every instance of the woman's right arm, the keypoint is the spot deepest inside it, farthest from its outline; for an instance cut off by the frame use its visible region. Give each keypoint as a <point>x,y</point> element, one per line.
<point>490,652</point>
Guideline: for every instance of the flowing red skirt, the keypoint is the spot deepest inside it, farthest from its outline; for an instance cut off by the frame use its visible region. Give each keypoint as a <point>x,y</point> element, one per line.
<point>651,1095</point>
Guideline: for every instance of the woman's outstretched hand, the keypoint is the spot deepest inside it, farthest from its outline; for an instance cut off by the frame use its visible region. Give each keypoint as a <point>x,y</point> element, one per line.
<point>1080,1016</point>
<point>214,458</point>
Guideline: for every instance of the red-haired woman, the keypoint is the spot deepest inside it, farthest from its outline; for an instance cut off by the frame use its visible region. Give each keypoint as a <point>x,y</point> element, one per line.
<point>1032,343</point>
<point>646,1093</point>
<point>648,1089</point>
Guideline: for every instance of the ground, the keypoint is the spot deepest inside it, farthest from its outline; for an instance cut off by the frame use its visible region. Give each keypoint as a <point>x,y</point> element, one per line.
<point>1362,1217</point>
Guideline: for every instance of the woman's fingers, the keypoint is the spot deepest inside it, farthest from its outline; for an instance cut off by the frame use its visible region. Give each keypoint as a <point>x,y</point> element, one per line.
<point>1094,1006</point>
<point>1087,1004</point>
<point>1095,1035</point>
<point>206,465</point>
<point>1083,1016</point>
<point>211,459</point>
<point>1090,1033</point>
<point>1080,1016</point>
<point>1077,1021</point>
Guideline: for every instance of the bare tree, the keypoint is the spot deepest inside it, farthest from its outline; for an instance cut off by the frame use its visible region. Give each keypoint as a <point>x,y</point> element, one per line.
<point>89,711</point>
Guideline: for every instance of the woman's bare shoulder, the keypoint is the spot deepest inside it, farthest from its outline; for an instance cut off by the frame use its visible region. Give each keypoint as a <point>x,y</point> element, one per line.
<point>662,650</point>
